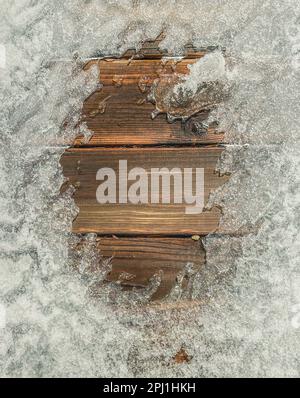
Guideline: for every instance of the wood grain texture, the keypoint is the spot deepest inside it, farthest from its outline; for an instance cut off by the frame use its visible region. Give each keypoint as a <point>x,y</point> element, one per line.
<point>80,165</point>
<point>142,257</point>
<point>119,113</point>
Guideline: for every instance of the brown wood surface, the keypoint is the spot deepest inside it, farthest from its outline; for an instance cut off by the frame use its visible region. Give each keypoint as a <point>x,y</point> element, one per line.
<point>80,165</point>
<point>124,116</point>
<point>153,49</point>
<point>119,114</point>
<point>142,257</point>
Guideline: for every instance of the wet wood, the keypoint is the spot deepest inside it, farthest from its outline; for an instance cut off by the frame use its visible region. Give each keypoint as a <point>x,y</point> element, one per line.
<point>142,257</point>
<point>80,165</point>
<point>182,356</point>
<point>119,113</point>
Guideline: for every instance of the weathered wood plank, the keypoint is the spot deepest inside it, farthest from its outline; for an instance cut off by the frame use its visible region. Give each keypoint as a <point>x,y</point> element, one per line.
<point>119,113</point>
<point>150,49</point>
<point>80,165</point>
<point>142,257</point>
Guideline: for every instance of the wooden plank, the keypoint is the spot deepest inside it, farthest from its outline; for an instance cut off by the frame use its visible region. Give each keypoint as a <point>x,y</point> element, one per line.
<point>119,113</point>
<point>150,49</point>
<point>80,165</point>
<point>142,257</point>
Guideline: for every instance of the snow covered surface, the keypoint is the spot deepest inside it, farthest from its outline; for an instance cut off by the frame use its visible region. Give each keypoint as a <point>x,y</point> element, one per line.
<point>53,326</point>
